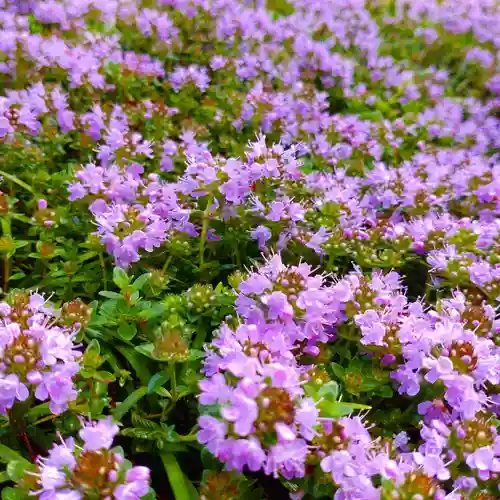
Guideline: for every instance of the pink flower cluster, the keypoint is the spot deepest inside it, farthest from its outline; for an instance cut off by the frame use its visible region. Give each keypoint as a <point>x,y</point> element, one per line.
<point>37,357</point>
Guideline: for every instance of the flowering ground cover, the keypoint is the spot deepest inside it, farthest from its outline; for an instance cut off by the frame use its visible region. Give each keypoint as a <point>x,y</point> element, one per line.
<point>250,249</point>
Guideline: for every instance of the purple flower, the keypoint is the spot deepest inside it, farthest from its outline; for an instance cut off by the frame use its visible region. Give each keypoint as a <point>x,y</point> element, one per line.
<point>242,412</point>
<point>408,379</point>
<point>342,151</point>
<point>484,460</point>
<point>97,435</point>
<point>341,466</point>
<point>482,56</point>
<point>372,328</point>
<point>62,455</point>
<point>440,368</point>
<point>193,73</point>
<point>480,273</point>
<point>432,465</point>
<point>263,382</point>
<point>255,284</point>
<point>317,239</point>
<point>243,452</point>
<point>262,234</point>
<point>58,474</point>
<point>465,483</point>
<point>278,305</point>
<point>288,458</point>
<point>214,390</point>
<point>401,440</point>
<point>51,478</point>
<point>307,418</point>
<point>11,389</point>
<point>136,486</point>
<point>46,359</point>
<point>58,387</point>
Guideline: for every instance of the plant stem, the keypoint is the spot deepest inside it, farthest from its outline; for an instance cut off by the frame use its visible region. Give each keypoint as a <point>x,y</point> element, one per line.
<point>153,415</point>
<point>189,437</point>
<point>6,230</point>
<point>5,274</point>
<point>103,269</point>
<point>18,424</point>
<point>201,335</point>
<point>167,263</point>
<point>17,181</point>
<point>350,338</point>
<point>173,381</point>
<point>237,254</point>
<point>204,231</point>
<point>27,443</point>
<point>44,419</point>
<point>173,391</point>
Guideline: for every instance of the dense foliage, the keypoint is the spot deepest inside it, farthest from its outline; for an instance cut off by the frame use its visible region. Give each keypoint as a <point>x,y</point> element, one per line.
<point>250,249</point>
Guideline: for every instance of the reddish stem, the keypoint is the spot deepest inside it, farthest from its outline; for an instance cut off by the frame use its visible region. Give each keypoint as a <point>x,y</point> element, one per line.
<point>27,442</point>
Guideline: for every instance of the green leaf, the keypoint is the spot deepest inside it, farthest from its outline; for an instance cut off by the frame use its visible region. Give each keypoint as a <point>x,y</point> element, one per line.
<point>209,461</point>
<point>157,381</point>
<point>137,362</point>
<point>86,256</point>
<point>17,276</point>
<point>8,455</point>
<point>18,181</point>
<point>193,492</point>
<point>368,385</point>
<point>97,406</point>
<point>311,391</point>
<point>16,469</point>
<point>134,297</point>
<point>150,495</point>
<point>146,350</point>
<point>4,477</point>
<point>164,446</point>
<point>92,354</point>
<point>385,392</point>
<point>121,410</point>
<point>140,282</point>
<point>104,376</point>
<point>109,295</point>
<point>127,331</point>
<point>336,409</point>
<point>152,312</point>
<point>195,354</point>
<point>161,391</point>
<point>176,477</point>
<point>120,278</point>
<point>338,370</point>
<point>329,391</point>
<point>152,431</point>
<point>20,244</point>
<point>13,494</point>
<point>39,411</point>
